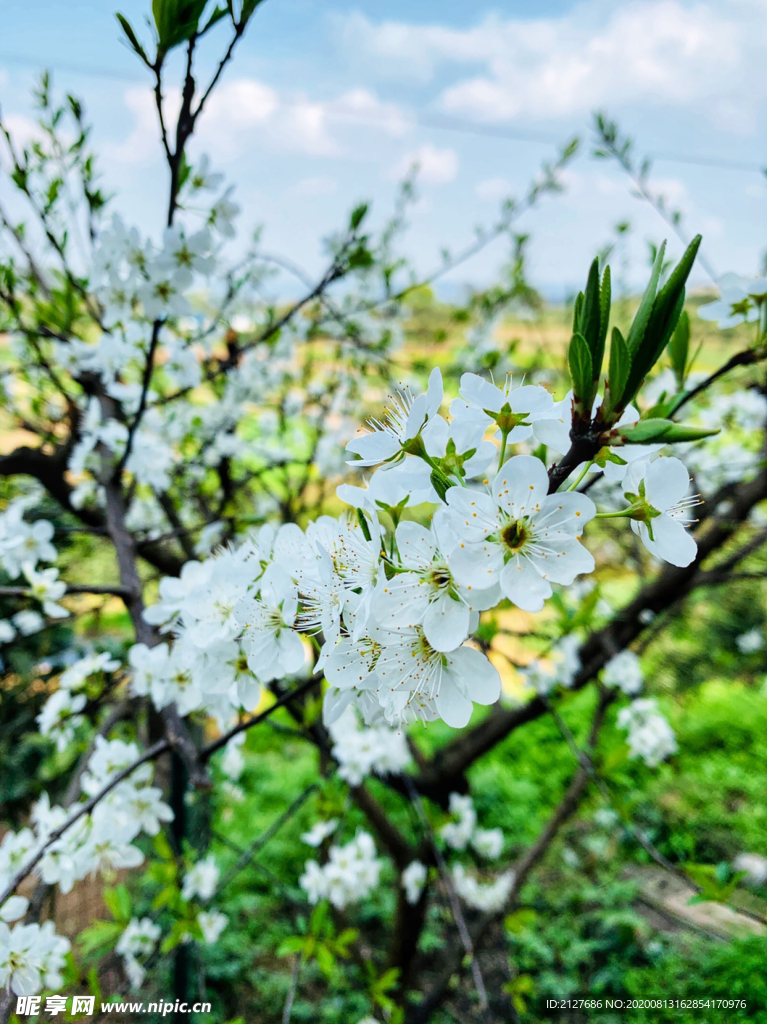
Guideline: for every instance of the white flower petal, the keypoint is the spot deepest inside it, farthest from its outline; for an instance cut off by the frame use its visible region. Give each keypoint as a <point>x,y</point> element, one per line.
<point>672,542</point>
<point>524,585</point>
<point>521,486</point>
<point>446,623</point>
<point>666,483</point>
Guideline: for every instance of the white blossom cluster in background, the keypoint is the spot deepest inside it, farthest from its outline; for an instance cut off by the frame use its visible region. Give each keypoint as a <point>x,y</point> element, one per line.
<point>173,298</point>
<point>60,716</point>
<point>99,842</point>
<point>32,956</point>
<point>139,939</point>
<point>485,896</point>
<point>558,669</point>
<point>650,737</point>
<point>349,875</point>
<point>360,751</point>
<point>624,672</point>
<point>460,834</point>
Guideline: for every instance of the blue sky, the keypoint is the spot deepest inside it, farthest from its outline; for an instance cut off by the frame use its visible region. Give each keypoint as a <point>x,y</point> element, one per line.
<point>320,109</point>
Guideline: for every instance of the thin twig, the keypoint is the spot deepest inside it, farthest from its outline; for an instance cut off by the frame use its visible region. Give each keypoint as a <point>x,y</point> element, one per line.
<point>455,905</point>
<point>247,855</point>
<point>222,741</point>
<point>292,990</point>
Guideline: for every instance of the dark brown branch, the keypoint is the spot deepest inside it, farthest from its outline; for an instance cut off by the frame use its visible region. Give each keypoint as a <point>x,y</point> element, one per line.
<point>247,855</point>
<point>51,470</point>
<point>745,358</point>
<point>286,698</point>
<point>396,845</point>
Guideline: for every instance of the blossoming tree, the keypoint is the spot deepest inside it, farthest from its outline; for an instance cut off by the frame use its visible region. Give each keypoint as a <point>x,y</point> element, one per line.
<point>272,547</point>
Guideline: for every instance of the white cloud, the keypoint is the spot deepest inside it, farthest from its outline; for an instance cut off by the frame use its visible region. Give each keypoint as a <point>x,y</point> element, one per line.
<point>677,52</point>
<point>142,144</point>
<point>435,166</point>
<point>245,113</point>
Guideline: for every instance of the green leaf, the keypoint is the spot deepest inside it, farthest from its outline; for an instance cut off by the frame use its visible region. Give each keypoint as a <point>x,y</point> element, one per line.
<point>620,367</point>
<point>176,21</point>
<point>216,16</point>
<point>184,171</point>
<point>642,315</point>
<point>579,363</point>
<point>590,319</point>
<point>347,936</point>
<point>359,258</point>
<point>162,847</point>
<point>167,897</point>
<point>687,432</point>
<point>132,37</point>
<point>646,431</point>
<point>119,903</point>
<point>248,7</point>
<point>664,317</point>
<point>293,944</point>
<point>100,935</point>
<point>650,431</point>
<point>679,349</point>
<point>325,959</point>
<point>605,302</point>
<point>357,216</point>
<point>362,520</point>
<point>440,483</point>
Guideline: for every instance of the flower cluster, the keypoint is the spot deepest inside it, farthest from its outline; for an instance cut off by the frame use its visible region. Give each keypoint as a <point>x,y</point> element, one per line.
<point>23,544</point>
<point>558,669</point>
<point>360,751</point>
<point>459,834</point>
<point>349,875</point>
<point>649,734</point>
<point>485,896</point>
<point>59,718</point>
<point>31,955</point>
<point>101,841</point>
<point>138,939</point>
<point>624,672</point>
<point>394,602</point>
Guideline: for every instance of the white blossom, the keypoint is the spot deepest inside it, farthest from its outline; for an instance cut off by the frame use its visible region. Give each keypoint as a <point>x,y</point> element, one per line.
<point>200,880</point>
<point>519,536</point>
<point>406,420</point>
<point>658,493</point>
<point>489,897</point>
<point>650,737</point>
<point>624,672</point>
<point>413,880</point>
<point>458,833</point>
